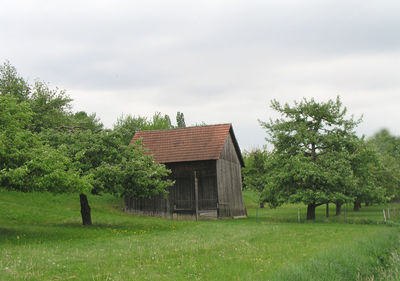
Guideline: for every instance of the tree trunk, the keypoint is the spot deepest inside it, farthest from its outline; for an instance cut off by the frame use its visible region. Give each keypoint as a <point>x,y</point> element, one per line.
<point>262,205</point>
<point>327,210</point>
<point>357,206</point>
<point>338,208</point>
<point>311,211</point>
<point>366,204</point>
<point>85,210</point>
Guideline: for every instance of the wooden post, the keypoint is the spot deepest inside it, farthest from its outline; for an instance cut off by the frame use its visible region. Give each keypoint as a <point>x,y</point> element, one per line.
<point>196,195</point>
<point>168,207</point>
<point>384,215</point>
<point>327,210</point>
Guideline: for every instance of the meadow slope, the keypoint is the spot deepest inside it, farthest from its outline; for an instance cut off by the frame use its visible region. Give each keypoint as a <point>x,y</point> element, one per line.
<point>41,238</point>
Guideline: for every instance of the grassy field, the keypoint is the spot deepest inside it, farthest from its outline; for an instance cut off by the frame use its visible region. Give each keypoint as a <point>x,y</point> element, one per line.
<point>41,238</point>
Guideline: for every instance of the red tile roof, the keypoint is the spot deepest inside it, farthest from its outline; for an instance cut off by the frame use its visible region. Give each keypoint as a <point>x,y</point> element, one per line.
<point>187,144</point>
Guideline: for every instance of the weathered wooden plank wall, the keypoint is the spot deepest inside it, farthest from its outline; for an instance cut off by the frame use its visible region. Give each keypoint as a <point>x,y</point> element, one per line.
<point>156,206</point>
<point>229,182</point>
<point>181,198</point>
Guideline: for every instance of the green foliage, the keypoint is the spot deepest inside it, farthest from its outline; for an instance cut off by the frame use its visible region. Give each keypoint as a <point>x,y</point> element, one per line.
<point>128,125</point>
<point>45,147</point>
<point>180,120</point>
<point>388,152</point>
<point>367,169</point>
<point>51,107</point>
<point>115,167</point>
<point>27,164</point>
<point>82,120</point>
<point>87,150</point>
<point>135,174</point>
<point>12,84</point>
<point>159,122</point>
<point>46,170</point>
<point>310,128</point>
<point>314,147</point>
<point>15,140</point>
<point>254,171</point>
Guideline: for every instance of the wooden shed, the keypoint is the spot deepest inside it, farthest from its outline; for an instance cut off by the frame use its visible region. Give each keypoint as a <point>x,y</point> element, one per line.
<point>206,165</point>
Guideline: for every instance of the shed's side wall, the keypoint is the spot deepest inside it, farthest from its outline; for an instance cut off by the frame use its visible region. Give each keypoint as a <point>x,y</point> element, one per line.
<point>229,182</point>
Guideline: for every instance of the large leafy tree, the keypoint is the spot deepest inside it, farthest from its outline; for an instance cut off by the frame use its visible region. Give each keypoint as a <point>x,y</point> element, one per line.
<point>45,147</point>
<point>387,148</point>
<point>26,163</point>
<point>367,169</point>
<point>110,165</point>
<point>314,144</point>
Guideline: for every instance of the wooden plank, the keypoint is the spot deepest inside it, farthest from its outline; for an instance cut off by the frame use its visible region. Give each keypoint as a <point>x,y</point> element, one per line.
<point>229,189</point>
<point>196,194</point>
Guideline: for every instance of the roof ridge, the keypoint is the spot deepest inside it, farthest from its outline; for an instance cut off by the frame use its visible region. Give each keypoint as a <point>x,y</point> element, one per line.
<point>185,128</point>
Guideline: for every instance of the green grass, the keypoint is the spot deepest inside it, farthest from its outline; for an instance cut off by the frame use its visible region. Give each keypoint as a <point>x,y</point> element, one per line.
<point>289,213</point>
<point>41,238</point>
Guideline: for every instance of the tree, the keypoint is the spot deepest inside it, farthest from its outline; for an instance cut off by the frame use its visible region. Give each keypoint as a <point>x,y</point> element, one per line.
<point>159,122</point>
<point>47,170</point>
<point>180,120</point>
<point>45,147</point>
<point>51,107</point>
<point>26,163</point>
<point>134,174</point>
<point>109,165</point>
<point>86,121</point>
<point>387,148</point>
<point>367,169</point>
<point>312,154</point>
<point>12,84</point>
<point>128,125</point>
<point>254,171</point>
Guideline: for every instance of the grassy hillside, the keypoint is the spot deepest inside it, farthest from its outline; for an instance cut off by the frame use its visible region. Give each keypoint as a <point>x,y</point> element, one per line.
<point>41,238</point>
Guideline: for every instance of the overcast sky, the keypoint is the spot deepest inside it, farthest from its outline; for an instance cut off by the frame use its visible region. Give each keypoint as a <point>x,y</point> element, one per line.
<point>215,61</point>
